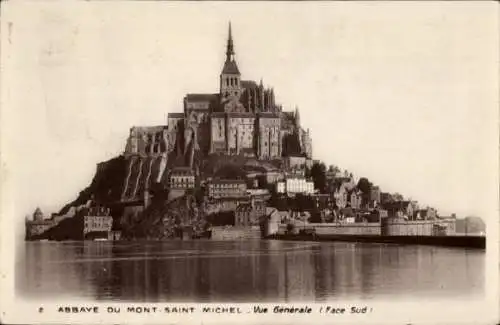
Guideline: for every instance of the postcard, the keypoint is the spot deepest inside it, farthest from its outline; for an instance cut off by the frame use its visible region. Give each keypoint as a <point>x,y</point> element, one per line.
<point>249,162</point>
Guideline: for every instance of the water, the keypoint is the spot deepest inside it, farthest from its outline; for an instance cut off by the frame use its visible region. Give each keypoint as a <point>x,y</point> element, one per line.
<point>245,271</point>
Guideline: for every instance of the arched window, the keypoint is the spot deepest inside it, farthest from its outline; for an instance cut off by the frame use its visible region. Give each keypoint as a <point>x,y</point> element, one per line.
<point>227,82</point>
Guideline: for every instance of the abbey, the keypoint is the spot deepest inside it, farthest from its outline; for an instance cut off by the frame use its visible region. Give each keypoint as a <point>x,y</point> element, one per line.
<point>242,118</point>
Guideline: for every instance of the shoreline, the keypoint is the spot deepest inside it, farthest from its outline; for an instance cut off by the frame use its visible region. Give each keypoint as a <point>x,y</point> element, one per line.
<point>474,242</point>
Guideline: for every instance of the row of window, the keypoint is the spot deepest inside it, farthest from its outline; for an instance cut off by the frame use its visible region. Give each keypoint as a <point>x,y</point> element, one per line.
<point>182,180</point>
<point>99,225</point>
<point>232,82</point>
<point>225,185</point>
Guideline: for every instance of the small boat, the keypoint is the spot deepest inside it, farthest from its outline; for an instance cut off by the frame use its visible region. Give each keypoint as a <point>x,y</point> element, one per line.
<point>101,239</point>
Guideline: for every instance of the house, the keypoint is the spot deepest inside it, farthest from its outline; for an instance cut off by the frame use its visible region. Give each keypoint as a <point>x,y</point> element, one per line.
<point>340,196</point>
<point>400,209</point>
<point>355,199</point>
<point>243,215</point>
<point>294,185</point>
<point>250,213</point>
<point>425,214</point>
<point>182,178</point>
<point>226,188</point>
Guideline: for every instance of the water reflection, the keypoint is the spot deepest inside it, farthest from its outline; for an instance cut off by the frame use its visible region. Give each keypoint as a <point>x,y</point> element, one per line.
<point>247,271</point>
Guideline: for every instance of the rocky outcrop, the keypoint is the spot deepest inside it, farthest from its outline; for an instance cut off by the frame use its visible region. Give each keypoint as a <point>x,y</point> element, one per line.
<point>163,218</point>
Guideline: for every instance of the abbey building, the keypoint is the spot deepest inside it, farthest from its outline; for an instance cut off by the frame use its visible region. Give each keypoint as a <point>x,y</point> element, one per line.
<point>241,118</point>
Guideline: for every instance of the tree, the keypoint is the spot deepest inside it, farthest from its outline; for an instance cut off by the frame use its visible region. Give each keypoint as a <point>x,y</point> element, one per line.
<point>333,169</point>
<point>397,197</point>
<point>318,174</point>
<point>365,186</point>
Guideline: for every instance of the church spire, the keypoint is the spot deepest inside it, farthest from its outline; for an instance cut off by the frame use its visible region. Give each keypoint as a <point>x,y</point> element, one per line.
<point>230,46</point>
<point>230,66</point>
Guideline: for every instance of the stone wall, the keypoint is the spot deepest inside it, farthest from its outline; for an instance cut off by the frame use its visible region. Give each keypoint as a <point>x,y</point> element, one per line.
<point>336,229</point>
<point>401,227</point>
<point>236,233</point>
<point>347,229</point>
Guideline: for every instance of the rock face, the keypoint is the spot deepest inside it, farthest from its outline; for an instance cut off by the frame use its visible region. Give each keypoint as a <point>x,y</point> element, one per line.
<point>163,218</point>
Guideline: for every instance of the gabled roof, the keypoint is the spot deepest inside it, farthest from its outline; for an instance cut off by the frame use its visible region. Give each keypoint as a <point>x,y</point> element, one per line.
<point>230,67</point>
<point>201,97</point>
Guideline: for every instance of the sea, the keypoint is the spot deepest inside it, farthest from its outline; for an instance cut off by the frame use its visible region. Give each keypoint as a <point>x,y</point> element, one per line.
<point>245,271</point>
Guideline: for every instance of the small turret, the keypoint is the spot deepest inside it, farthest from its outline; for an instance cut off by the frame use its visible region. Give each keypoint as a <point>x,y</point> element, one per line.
<point>37,215</point>
<point>297,117</point>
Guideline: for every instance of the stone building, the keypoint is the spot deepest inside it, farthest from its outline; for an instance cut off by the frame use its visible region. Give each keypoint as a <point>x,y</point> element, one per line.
<point>182,178</point>
<point>341,196</point>
<point>38,225</point>
<point>147,140</point>
<point>294,185</point>
<point>241,118</point>
<point>97,222</point>
<point>355,199</point>
<point>226,188</point>
<point>399,209</point>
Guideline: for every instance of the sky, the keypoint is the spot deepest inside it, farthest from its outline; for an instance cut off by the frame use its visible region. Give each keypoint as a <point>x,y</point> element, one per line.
<point>405,94</point>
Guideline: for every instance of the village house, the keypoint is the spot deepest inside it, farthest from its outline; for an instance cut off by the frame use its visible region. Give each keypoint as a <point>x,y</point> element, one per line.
<point>250,213</point>
<point>399,209</point>
<point>425,214</point>
<point>243,215</point>
<point>341,196</point>
<point>295,185</point>
<point>355,199</point>
<point>295,165</point>
<point>182,178</point>
<point>226,188</point>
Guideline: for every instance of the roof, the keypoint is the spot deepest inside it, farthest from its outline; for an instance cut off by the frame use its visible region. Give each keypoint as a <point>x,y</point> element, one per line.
<point>227,181</point>
<point>241,114</point>
<point>259,191</point>
<point>230,67</point>
<point>200,97</point>
<point>182,170</point>
<point>47,222</point>
<point>268,114</point>
<point>175,115</point>
<point>248,84</point>
<point>149,129</point>
<point>218,114</point>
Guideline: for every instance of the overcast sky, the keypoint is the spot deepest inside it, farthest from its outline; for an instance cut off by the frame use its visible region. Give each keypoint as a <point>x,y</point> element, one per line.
<point>405,94</point>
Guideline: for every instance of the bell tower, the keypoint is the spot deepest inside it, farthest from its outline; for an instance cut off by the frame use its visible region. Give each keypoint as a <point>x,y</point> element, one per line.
<point>230,86</point>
